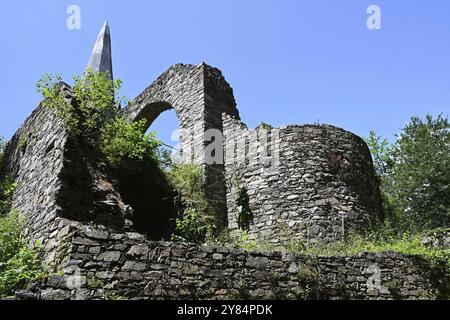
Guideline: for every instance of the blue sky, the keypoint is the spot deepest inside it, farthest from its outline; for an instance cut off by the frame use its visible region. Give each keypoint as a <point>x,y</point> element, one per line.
<point>289,62</point>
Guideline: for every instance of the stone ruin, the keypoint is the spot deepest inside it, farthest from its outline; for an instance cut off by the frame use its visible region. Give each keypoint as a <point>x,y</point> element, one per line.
<point>111,225</point>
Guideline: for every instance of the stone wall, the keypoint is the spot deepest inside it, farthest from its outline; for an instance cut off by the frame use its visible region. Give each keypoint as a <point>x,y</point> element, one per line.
<point>100,264</point>
<point>315,183</point>
<point>34,158</point>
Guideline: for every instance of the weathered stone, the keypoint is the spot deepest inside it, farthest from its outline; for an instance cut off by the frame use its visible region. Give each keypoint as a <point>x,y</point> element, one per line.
<point>313,179</point>
<point>217,256</point>
<point>110,256</point>
<point>140,251</point>
<point>135,266</point>
<point>105,274</point>
<point>258,262</point>
<point>50,294</point>
<point>96,234</point>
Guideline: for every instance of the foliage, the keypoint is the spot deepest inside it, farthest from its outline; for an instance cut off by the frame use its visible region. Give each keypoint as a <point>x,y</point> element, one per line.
<point>10,240</point>
<point>123,139</point>
<point>94,282</point>
<point>56,99</point>
<point>195,223</point>
<point>7,187</point>
<point>414,174</point>
<point>23,142</point>
<point>422,172</point>
<point>166,158</point>
<point>245,215</point>
<point>113,296</point>
<point>191,227</point>
<point>382,152</point>
<point>92,111</point>
<point>310,283</point>
<point>96,97</point>
<point>19,263</point>
<point>3,144</point>
<point>264,126</point>
<point>374,242</point>
<point>93,94</point>
<point>241,240</point>
<point>380,241</point>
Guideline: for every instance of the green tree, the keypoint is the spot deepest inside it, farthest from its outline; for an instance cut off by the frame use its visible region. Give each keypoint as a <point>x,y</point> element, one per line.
<point>382,153</point>
<point>421,172</point>
<point>415,174</point>
<point>383,160</point>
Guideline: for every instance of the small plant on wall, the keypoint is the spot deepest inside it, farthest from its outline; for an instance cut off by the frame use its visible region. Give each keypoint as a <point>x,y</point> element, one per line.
<point>244,215</point>
<point>90,110</point>
<point>195,222</point>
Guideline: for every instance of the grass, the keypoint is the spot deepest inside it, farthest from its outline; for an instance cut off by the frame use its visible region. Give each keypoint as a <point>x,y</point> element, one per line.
<point>373,243</point>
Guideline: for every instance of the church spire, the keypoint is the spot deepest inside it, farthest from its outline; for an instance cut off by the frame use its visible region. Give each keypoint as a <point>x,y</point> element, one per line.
<point>101,59</point>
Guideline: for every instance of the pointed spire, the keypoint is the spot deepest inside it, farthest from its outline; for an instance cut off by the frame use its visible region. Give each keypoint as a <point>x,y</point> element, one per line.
<point>101,59</point>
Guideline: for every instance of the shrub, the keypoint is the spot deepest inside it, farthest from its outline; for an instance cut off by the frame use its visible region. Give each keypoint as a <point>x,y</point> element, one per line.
<point>122,139</point>
<point>264,126</point>
<point>7,187</point>
<point>93,100</point>
<point>10,239</point>
<point>93,113</point>
<point>245,215</point>
<point>195,222</point>
<point>19,263</point>
<point>309,282</point>
<point>23,142</point>
<point>50,86</point>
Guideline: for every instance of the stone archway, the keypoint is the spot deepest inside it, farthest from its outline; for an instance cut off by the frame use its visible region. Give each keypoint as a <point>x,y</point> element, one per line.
<point>199,95</point>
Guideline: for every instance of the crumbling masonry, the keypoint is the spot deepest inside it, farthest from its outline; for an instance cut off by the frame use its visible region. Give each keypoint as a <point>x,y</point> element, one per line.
<point>102,225</point>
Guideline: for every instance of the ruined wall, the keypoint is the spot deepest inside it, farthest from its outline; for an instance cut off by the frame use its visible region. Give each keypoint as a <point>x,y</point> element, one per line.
<point>59,175</point>
<point>315,183</point>
<point>199,95</point>
<point>34,158</point>
<point>101,265</point>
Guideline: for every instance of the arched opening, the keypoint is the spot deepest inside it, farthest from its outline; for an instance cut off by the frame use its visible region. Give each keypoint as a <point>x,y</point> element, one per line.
<point>152,111</point>
<point>167,129</point>
<point>143,184</point>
